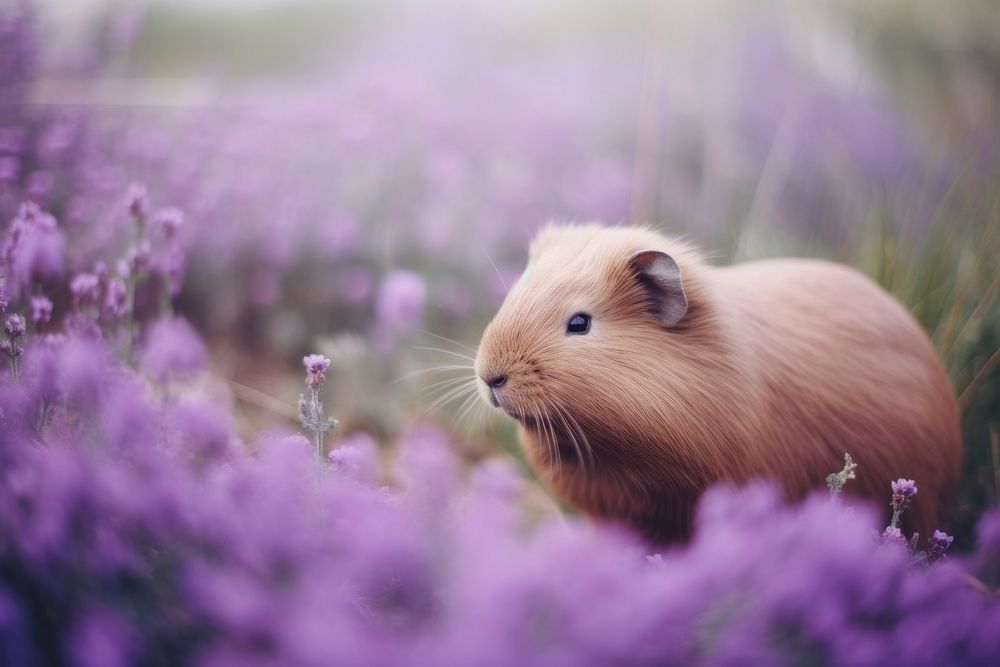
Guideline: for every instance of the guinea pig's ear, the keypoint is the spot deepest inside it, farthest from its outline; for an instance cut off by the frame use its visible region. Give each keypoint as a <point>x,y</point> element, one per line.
<point>660,275</point>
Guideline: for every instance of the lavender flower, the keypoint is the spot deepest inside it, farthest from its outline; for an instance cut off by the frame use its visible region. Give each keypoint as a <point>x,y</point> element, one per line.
<point>356,457</point>
<point>32,249</point>
<point>102,272</point>
<point>171,266</point>
<point>316,367</point>
<point>310,408</point>
<point>139,257</point>
<point>893,535</point>
<point>14,326</point>
<point>168,222</point>
<point>41,310</point>
<point>116,298</point>
<point>11,346</point>
<point>137,201</point>
<point>903,490</point>
<point>940,542</point>
<point>85,288</point>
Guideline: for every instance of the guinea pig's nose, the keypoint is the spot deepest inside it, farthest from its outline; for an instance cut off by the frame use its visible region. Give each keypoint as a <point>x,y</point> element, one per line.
<point>496,381</point>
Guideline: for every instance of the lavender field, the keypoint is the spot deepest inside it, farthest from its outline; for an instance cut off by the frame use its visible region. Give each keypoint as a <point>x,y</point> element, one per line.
<point>247,251</point>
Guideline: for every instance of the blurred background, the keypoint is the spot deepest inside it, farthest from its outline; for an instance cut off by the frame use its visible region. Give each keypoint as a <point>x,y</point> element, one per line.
<point>361,179</point>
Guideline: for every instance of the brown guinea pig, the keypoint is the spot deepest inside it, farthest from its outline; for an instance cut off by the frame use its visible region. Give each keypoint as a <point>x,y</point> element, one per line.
<point>641,376</point>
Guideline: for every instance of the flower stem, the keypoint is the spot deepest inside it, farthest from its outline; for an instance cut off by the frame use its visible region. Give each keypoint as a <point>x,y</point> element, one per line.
<point>129,315</point>
<point>317,414</point>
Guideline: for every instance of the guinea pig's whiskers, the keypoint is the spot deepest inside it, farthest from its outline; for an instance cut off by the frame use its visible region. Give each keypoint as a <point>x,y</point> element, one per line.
<point>461,390</point>
<point>436,386</point>
<point>434,369</point>
<point>449,340</point>
<point>557,413</point>
<point>482,413</point>
<point>583,436</point>
<point>446,382</point>
<point>561,414</point>
<point>551,442</point>
<point>469,400</point>
<point>555,443</point>
<point>453,394</point>
<point>468,411</point>
<point>443,351</point>
<point>453,386</point>
<point>537,421</point>
<point>494,265</point>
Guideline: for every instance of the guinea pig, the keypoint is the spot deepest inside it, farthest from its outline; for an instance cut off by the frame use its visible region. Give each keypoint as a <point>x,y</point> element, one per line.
<point>640,376</point>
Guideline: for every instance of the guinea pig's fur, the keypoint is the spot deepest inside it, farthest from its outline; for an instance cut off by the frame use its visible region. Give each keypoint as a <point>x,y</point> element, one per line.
<point>768,369</point>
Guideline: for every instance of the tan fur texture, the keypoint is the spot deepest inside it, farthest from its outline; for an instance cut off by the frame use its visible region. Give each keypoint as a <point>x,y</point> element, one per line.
<point>776,369</point>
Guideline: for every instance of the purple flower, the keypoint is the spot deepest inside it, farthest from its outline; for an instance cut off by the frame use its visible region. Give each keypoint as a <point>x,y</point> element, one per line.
<point>41,310</point>
<point>316,367</point>
<point>892,534</point>
<point>4,302</point>
<point>940,541</point>
<point>903,491</point>
<point>172,349</point>
<point>10,346</point>
<point>316,363</point>
<point>170,265</point>
<point>32,248</point>
<point>85,288</point>
<point>356,457</point>
<point>137,200</point>
<point>904,487</point>
<point>102,272</point>
<point>116,298</point>
<point>168,221</point>
<point>14,326</point>
<point>140,257</point>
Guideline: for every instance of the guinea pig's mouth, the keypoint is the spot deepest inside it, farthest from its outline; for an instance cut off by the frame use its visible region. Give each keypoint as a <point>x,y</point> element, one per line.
<point>497,401</point>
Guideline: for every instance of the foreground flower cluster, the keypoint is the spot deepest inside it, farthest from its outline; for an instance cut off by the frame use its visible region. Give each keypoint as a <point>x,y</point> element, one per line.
<point>135,530</point>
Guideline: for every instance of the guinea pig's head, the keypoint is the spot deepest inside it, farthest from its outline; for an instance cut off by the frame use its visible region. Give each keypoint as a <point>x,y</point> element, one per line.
<point>578,335</point>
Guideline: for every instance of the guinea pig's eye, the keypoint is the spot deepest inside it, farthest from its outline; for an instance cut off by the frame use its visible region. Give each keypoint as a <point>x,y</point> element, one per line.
<point>578,324</point>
